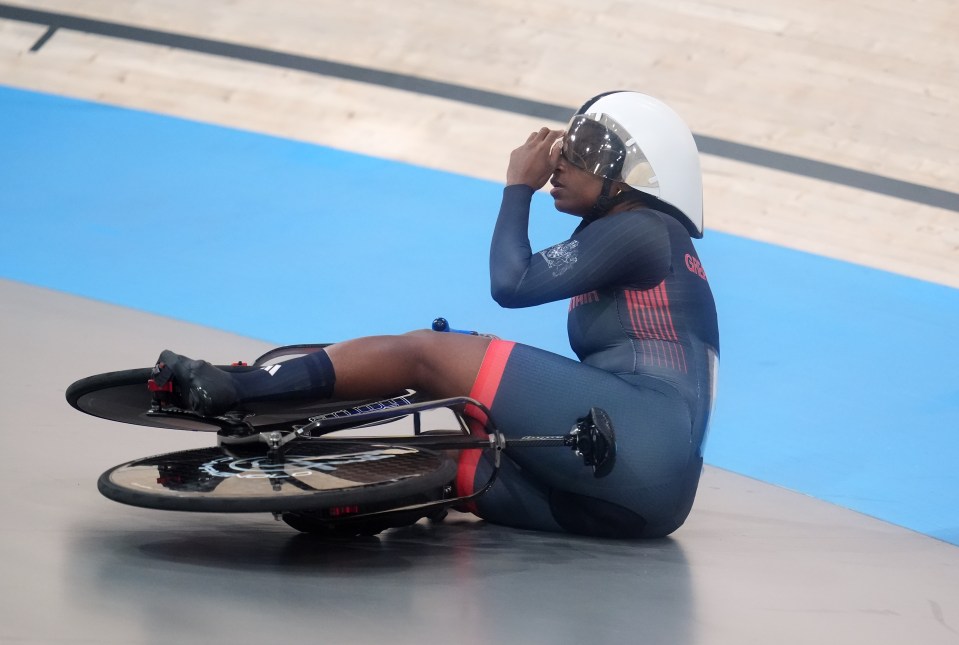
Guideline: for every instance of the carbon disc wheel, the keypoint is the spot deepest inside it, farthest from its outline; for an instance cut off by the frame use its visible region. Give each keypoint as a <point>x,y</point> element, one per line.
<point>123,396</point>
<point>310,475</point>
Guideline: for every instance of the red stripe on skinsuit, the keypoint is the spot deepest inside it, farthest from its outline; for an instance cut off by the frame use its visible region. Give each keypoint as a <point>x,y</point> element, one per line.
<point>635,316</point>
<point>654,328</point>
<point>677,348</point>
<point>667,314</point>
<point>657,307</point>
<point>484,390</point>
<point>660,308</point>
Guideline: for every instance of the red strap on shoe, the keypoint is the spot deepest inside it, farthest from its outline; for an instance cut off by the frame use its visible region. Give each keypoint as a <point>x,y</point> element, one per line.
<point>152,385</point>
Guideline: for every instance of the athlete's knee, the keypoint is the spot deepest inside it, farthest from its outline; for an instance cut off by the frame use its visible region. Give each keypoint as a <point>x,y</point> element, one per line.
<point>416,356</point>
<point>420,333</point>
<point>431,359</point>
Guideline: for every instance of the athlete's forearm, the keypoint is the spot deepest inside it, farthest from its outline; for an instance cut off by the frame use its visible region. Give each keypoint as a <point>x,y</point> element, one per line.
<point>510,250</point>
<point>629,248</point>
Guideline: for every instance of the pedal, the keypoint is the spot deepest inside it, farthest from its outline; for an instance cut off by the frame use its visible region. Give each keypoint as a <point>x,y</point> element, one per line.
<point>162,393</point>
<point>594,440</point>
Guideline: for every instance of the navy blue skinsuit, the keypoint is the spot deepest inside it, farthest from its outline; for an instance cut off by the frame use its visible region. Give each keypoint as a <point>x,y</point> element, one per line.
<point>642,321</point>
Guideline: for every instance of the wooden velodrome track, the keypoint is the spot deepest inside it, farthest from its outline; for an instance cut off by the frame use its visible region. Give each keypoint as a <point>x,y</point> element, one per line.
<point>829,128</point>
<point>869,87</point>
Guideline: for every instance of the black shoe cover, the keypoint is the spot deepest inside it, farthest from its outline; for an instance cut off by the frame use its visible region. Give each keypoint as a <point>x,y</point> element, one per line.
<point>202,387</point>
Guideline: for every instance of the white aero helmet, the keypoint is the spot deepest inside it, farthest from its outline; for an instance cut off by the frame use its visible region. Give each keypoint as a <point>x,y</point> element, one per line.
<point>638,140</point>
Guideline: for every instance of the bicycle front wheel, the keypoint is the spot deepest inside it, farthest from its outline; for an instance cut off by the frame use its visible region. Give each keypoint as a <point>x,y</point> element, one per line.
<point>310,475</point>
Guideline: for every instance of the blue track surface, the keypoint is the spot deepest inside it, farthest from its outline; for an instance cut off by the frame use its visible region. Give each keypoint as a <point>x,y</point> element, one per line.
<point>836,380</point>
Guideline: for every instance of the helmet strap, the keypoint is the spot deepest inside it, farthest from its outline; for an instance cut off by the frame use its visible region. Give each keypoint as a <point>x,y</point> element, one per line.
<point>606,202</point>
<point>603,202</point>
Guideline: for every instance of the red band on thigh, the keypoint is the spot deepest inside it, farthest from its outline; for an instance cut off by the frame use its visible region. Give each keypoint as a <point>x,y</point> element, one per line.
<point>484,390</point>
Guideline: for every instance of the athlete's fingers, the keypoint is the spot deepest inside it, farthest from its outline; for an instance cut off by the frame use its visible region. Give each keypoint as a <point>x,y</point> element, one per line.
<point>533,162</point>
<point>543,134</point>
<point>539,135</point>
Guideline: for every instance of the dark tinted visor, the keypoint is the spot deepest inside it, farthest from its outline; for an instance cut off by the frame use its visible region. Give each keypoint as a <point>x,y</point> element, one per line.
<point>592,147</point>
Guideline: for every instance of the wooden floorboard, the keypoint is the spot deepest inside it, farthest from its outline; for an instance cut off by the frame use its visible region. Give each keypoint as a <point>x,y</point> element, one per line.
<point>863,85</point>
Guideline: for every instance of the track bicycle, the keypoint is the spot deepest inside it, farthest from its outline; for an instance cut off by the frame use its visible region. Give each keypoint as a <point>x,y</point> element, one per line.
<point>333,468</point>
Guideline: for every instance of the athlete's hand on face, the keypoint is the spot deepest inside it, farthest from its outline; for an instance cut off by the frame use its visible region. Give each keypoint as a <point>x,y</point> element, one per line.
<point>534,161</point>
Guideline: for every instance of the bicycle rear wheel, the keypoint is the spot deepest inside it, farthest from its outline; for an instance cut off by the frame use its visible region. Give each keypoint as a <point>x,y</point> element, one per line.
<point>309,476</point>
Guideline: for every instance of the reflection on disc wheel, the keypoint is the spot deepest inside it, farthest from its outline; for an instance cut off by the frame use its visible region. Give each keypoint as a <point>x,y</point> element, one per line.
<point>310,475</point>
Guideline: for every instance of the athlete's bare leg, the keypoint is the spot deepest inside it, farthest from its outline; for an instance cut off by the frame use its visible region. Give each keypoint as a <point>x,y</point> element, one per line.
<point>439,364</point>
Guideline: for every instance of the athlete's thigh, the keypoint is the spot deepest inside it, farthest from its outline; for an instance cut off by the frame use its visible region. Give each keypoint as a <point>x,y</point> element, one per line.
<point>543,393</point>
